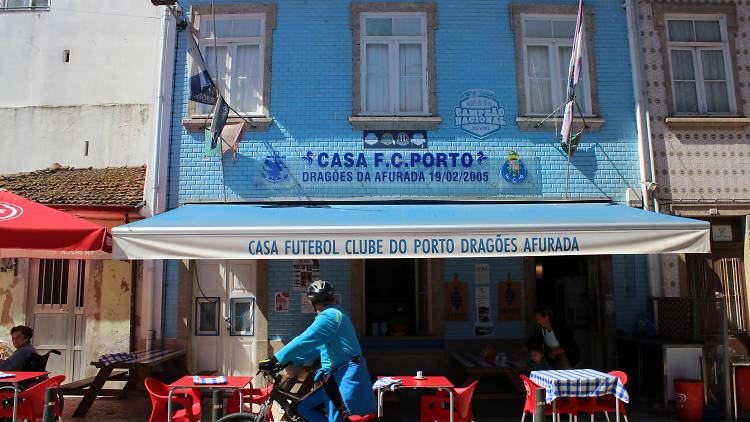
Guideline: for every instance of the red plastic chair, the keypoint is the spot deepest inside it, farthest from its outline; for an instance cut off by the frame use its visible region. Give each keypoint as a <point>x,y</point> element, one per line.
<point>357,418</point>
<point>435,408</point>
<point>566,406</point>
<point>249,396</point>
<point>31,401</point>
<point>188,398</point>
<point>604,403</point>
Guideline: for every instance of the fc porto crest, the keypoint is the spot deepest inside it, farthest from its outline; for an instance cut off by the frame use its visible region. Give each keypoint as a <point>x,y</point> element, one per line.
<point>513,170</point>
<point>274,168</point>
<point>479,113</point>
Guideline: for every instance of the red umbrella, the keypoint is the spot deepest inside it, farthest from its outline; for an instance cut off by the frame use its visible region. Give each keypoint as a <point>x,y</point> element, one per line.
<point>25,224</point>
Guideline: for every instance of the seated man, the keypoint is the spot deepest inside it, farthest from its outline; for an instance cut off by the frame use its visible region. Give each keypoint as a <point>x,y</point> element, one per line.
<point>343,381</point>
<point>21,336</point>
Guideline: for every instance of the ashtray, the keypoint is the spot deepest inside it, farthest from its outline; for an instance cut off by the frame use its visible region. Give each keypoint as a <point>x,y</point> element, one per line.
<point>420,378</point>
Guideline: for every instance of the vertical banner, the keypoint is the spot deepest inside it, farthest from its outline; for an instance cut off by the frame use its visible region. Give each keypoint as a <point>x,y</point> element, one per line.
<point>509,300</point>
<point>305,272</point>
<point>482,274</point>
<point>457,300</point>
<point>484,325</point>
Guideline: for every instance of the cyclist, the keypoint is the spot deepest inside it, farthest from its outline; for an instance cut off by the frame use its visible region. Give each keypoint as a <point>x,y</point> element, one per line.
<point>343,379</point>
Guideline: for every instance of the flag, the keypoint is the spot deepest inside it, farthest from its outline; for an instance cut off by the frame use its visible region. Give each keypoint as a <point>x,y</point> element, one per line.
<point>221,111</point>
<point>574,75</point>
<point>571,147</point>
<point>202,87</point>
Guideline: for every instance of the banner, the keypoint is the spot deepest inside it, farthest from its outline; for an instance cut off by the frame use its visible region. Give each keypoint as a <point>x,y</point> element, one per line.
<point>457,301</point>
<point>510,302</point>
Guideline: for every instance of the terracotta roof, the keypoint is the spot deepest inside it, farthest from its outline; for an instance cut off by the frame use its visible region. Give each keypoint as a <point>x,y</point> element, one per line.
<point>59,185</point>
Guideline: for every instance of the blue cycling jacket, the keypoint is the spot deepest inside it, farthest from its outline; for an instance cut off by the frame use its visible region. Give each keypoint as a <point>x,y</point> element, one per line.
<point>333,338</point>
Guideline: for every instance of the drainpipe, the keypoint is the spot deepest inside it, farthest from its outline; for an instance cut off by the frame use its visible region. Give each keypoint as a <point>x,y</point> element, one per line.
<point>645,145</point>
<point>156,189</point>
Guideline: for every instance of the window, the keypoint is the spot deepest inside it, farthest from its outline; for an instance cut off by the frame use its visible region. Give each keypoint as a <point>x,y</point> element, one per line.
<point>393,66</point>
<point>24,4</point>
<point>207,316</point>
<point>700,66</point>
<point>396,297</point>
<point>548,44</point>
<point>237,50</point>
<point>543,36</point>
<point>394,73</point>
<point>54,276</point>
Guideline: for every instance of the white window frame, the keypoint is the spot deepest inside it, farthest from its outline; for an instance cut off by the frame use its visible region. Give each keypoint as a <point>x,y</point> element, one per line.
<point>393,55</point>
<point>696,47</point>
<point>232,43</point>
<point>553,47</point>
<point>27,6</point>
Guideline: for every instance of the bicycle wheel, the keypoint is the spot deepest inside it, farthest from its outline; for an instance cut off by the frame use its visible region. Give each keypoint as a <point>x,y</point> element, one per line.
<point>240,417</point>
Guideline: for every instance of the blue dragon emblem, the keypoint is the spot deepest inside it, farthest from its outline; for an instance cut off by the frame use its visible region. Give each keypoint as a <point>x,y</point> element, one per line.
<point>481,157</point>
<point>308,157</point>
<point>274,169</point>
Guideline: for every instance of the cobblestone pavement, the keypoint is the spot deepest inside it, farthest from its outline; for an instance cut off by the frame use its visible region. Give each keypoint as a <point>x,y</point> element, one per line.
<point>138,408</point>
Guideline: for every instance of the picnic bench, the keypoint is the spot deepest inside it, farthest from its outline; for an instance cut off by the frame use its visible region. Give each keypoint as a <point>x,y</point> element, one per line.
<point>474,366</point>
<point>133,371</point>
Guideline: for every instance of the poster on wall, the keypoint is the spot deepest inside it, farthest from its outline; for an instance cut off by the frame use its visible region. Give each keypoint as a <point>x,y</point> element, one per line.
<point>457,300</point>
<point>282,302</point>
<point>482,274</point>
<point>509,300</point>
<point>484,325</point>
<point>305,272</point>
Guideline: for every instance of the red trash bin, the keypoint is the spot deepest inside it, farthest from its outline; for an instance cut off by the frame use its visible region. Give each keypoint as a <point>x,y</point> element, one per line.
<point>742,376</point>
<point>689,399</point>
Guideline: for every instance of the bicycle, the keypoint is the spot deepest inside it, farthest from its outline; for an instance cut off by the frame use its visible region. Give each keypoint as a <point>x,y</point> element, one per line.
<point>288,402</point>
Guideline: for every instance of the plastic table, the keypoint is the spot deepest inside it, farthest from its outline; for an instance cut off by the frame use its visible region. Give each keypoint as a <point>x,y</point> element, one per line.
<point>434,382</point>
<point>15,379</point>
<point>580,383</point>
<point>234,383</point>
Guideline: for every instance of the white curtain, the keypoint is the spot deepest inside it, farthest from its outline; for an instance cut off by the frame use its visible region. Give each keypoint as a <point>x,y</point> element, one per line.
<point>683,74</point>
<point>714,79</point>
<point>681,31</point>
<point>540,79</point>
<point>376,78</point>
<point>410,78</point>
<point>220,76</point>
<point>246,92</point>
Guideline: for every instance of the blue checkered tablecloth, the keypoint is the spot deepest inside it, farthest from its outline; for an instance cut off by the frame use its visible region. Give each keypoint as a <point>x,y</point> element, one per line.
<point>579,383</point>
<point>110,358</point>
<point>209,380</point>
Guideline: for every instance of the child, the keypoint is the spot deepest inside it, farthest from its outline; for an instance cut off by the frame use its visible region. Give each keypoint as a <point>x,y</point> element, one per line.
<point>536,360</point>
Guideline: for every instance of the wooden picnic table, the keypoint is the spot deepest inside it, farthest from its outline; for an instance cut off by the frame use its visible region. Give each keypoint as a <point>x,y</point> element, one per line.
<point>475,367</point>
<point>133,371</point>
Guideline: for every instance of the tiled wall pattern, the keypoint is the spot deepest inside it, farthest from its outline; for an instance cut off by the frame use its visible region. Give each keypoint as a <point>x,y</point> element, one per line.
<point>697,165</point>
<point>311,101</point>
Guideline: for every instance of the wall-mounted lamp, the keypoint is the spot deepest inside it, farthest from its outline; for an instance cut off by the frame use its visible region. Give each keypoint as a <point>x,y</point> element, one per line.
<point>539,271</point>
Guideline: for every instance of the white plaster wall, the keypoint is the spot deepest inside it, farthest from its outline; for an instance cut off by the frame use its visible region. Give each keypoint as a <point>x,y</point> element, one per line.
<point>103,95</point>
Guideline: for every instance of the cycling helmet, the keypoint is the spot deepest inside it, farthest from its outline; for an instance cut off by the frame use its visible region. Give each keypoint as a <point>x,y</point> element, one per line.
<point>320,291</point>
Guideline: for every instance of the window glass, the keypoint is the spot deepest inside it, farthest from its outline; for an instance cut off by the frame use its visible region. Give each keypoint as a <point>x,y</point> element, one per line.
<point>377,77</point>
<point>242,316</point>
<point>682,65</point>
<point>564,29</point>
<point>378,26</point>
<point>208,312</point>
<point>540,80</point>
<point>410,87</point>
<point>681,30</point>
<point>536,28</point>
<point>407,26</point>
<point>246,28</point>
<point>714,81</point>
<point>246,93</point>
<point>708,31</point>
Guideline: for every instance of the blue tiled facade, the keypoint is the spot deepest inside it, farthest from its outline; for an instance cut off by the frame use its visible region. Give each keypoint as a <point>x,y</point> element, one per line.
<point>311,102</point>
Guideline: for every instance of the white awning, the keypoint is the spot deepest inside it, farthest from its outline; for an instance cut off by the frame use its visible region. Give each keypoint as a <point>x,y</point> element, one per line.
<point>473,230</point>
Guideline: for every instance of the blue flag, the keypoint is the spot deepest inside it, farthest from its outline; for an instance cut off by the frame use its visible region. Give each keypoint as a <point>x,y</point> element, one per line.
<point>202,87</point>
<point>221,112</point>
